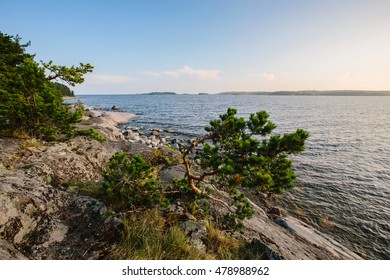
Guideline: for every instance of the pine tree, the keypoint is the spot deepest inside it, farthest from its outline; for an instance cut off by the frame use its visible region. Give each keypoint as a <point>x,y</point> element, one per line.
<point>30,102</point>
<point>241,154</point>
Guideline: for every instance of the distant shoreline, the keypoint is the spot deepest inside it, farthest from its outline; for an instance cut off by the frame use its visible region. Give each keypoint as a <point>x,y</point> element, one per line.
<point>263,93</point>
<point>312,93</point>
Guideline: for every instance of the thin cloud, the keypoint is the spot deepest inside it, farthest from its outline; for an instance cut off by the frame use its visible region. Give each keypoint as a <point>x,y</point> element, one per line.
<point>187,71</point>
<point>268,76</point>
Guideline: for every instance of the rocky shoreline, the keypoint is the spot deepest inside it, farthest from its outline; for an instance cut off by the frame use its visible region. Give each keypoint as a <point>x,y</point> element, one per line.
<point>43,216</point>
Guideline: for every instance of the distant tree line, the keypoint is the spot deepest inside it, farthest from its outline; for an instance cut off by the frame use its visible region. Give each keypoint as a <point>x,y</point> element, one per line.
<point>65,90</point>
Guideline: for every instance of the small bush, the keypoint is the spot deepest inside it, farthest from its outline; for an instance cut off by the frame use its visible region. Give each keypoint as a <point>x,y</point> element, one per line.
<point>130,183</point>
<point>91,133</point>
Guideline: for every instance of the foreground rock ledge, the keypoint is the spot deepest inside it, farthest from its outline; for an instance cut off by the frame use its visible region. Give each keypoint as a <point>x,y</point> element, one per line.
<point>41,219</point>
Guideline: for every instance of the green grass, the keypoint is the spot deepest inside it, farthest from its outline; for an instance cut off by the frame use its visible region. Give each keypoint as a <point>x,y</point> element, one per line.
<point>148,236</point>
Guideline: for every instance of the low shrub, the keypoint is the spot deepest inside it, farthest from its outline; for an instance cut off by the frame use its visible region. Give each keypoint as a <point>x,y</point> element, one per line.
<point>129,183</point>
<point>91,133</point>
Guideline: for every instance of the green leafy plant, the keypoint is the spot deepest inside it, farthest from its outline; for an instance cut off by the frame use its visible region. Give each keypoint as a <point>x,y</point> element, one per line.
<point>129,183</point>
<point>30,101</point>
<point>91,133</point>
<point>239,154</point>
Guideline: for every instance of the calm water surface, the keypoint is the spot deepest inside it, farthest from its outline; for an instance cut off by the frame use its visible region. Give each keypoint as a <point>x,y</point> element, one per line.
<point>344,174</point>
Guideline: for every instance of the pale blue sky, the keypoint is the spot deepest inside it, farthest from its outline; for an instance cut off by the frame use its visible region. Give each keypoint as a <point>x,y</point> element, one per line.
<point>190,46</point>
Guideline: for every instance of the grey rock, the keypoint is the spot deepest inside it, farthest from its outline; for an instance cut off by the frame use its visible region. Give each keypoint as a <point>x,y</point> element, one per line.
<point>196,230</point>
<point>167,175</point>
<point>138,148</point>
<point>9,252</point>
<point>176,146</point>
<point>127,133</point>
<point>78,159</point>
<point>288,244</point>
<point>176,209</point>
<point>38,221</point>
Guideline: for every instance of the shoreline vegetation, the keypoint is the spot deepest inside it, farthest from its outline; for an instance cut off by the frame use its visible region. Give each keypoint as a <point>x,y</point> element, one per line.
<point>286,93</point>
<point>77,222</point>
<point>314,93</point>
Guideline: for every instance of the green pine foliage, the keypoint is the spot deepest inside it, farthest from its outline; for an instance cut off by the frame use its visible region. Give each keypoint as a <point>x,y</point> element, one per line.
<point>91,133</point>
<point>30,101</point>
<point>246,157</point>
<point>129,183</point>
<point>241,154</point>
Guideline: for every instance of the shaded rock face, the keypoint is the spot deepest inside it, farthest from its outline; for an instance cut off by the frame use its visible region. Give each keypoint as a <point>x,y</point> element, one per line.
<point>87,236</point>
<point>29,207</point>
<point>38,221</point>
<point>9,252</point>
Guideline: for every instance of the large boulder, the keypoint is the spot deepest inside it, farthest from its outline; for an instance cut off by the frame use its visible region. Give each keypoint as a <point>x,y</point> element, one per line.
<point>61,163</point>
<point>38,221</point>
<point>29,208</point>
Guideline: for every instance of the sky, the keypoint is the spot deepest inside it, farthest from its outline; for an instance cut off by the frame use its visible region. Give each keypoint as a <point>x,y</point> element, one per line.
<point>192,46</point>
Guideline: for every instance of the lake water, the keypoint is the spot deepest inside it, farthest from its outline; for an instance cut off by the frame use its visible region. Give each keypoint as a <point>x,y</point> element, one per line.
<point>344,174</point>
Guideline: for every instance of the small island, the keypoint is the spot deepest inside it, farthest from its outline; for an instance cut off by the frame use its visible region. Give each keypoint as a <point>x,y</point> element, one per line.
<point>159,93</point>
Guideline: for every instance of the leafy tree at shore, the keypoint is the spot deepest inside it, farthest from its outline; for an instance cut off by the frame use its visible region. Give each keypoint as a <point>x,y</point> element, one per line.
<point>30,100</point>
<point>239,154</point>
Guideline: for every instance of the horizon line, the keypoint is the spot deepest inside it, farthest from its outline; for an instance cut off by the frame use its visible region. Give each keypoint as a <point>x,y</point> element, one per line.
<point>241,91</point>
